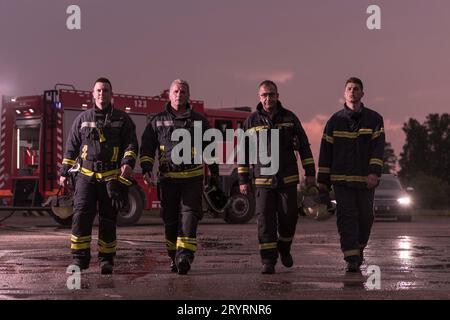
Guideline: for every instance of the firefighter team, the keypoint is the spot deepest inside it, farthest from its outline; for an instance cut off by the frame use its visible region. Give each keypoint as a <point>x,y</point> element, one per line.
<point>102,150</point>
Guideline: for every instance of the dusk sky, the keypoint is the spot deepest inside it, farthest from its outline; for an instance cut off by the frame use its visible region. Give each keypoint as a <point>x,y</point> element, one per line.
<point>224,48</point>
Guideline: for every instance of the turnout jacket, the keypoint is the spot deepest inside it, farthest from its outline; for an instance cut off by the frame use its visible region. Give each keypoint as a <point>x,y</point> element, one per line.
<point>101,141</point>
<point>352,147</point>
<point>292,137</point>
<point>157,142</point>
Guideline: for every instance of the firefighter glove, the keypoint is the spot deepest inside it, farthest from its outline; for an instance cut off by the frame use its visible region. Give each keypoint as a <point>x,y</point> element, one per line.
<point>116,193</point>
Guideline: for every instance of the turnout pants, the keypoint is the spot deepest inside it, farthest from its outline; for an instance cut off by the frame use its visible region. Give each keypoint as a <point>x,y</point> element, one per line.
<point>277,215</point>
<point>90,194</point>
<point>181,210</point>
<point>354,219</point>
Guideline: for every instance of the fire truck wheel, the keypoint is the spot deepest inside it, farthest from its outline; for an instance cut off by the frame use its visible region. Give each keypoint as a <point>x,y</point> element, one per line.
<point>131,214</point>
<point>241,208</point>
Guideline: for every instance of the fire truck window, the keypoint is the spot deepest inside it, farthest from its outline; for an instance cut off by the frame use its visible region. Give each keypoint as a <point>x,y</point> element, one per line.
<point>27,154</point>
<point>222,125</point>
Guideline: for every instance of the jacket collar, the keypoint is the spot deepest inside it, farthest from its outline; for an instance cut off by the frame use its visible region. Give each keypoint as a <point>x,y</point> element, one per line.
<point>102,111</point>
<point>280,110</point>
<point>352,114</point>
<point>185,115</point>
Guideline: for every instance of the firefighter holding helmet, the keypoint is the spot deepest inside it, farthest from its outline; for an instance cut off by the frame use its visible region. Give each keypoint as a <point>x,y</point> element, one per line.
<point>180,184</point>
<point>102,145</point>
<point>276,194</point>
<point>351,160</point>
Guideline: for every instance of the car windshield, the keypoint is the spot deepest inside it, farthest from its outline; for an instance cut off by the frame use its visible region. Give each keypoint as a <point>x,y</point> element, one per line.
<point>390,184</point>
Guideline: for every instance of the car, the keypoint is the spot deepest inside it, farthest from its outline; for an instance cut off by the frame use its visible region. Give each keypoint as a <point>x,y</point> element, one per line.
<point>392,200</point>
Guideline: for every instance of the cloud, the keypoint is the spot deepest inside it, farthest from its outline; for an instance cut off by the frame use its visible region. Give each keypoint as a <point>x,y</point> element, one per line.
<point>314,130</point>
<point>276,76</point>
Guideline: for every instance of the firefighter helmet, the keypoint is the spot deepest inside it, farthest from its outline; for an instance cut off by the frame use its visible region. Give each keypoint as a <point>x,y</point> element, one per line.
<point>316,203</point>
<point>62,206</point>
<point>216,198</point>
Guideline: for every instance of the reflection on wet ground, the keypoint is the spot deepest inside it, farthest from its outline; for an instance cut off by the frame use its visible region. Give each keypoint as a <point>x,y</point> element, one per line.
<point>401,261</point>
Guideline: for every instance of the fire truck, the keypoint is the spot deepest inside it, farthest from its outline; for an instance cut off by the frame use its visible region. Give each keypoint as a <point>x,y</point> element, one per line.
<point>32,142</point>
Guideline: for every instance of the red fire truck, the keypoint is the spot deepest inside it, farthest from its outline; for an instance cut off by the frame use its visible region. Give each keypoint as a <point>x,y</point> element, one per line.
<point>32,143</point>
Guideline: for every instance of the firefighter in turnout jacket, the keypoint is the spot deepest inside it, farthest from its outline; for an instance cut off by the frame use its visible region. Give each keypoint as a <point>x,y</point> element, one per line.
<point>276,194</point>
<point>102,148</point>
<point>351,160</point>
<point>180,184</point>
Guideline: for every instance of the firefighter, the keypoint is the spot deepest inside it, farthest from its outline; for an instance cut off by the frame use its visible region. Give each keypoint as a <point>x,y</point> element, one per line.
<point>276,195</point>
<point>180,183</point>
<point>102,144</point>
<point>351,160</point>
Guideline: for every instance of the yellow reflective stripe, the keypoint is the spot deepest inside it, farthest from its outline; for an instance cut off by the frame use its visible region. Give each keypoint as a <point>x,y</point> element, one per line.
<point>345,134</point>
<point>200,166</point>
<point>349,253</point>
<point>69,161</point>
<point>284,239</point>
<point>307,161</point>
<point>99,175</point>
<point>187,239</point>
<point>290,179</point>
<point>187,243</point>
<point>185,174</point>
<point>125,181</point>
<point>324,170</point>
<point>328,138</point>
<point>107,244</point>
<point>268,245</point>
<point>80,246</point>
<point>171,245</point>
<point>84,152</point>
<point>365,131</point>
<point>107,250</point>
<point>74,238</point>
<point>376,161</point>
<point>161,148</point>
<point>336,177</point>
<point>258,128</point>
<point>351,134</point>
<point>284,124</point>
<point>376,134</point>
<point>147,159</point>
<point>130,154</point>
<point>101,135</point>
<point>242,170</point>
<point>263,181</point>
<point>115,154</point>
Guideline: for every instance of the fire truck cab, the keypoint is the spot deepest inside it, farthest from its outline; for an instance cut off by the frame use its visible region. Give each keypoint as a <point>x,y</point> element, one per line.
<point>32,143</point>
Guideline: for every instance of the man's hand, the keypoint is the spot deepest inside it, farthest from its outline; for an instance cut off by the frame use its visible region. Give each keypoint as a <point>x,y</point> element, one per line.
<point>148,179</point>
<point>243,188</point>
<point>63,181</point>
<point>310,181</point>
<point>372,181</point>
<point>126,171</point>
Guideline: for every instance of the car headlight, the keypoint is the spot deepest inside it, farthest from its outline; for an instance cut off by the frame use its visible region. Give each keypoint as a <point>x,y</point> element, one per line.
<point>404,201</point>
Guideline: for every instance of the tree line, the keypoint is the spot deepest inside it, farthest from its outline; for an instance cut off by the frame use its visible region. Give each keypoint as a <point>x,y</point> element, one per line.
<point>425,160</point>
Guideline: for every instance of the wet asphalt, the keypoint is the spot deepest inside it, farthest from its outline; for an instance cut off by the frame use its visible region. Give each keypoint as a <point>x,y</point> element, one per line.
<point>402,261</point>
